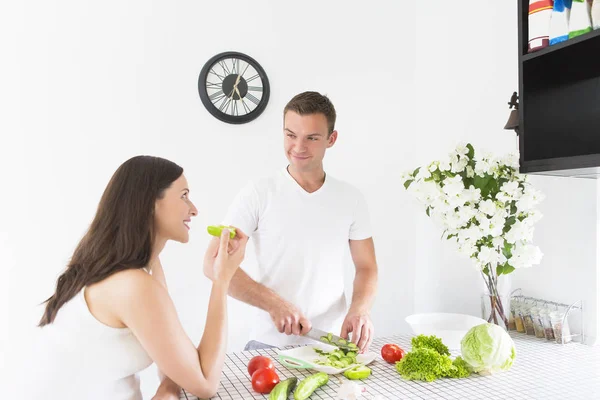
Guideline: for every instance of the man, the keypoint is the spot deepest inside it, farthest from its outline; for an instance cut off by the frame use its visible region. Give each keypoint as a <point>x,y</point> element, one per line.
<point>301,222</point>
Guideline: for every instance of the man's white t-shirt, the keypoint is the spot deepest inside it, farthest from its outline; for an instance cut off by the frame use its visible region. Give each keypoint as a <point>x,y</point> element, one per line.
<point>300,240</point>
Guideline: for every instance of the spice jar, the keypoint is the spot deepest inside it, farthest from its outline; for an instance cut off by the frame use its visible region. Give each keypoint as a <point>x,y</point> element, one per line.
<point>527,320</point>
<point>511,317</point>
<point>519,324</point>
<point>560,326</point>
<point>545,317</point>
<point>537,322</point>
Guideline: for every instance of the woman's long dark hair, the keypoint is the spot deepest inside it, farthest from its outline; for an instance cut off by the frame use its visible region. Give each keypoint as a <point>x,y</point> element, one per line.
<point>121,235</point>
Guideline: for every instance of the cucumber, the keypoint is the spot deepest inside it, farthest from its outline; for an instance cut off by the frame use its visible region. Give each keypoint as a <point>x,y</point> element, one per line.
<point>283,389</point>
<point>306,388</point>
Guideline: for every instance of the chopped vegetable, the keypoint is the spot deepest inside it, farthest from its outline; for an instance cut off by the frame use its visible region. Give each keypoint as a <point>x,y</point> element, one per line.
<point>358,372</point>
<point>336,358</point>
<point>340,342</point>
<point>216,230</point>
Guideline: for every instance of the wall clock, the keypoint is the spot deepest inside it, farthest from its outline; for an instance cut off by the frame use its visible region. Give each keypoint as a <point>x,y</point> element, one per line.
<point>233,87</point>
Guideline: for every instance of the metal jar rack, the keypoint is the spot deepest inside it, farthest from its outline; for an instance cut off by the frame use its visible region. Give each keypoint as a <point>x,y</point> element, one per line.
<point>569,308</point>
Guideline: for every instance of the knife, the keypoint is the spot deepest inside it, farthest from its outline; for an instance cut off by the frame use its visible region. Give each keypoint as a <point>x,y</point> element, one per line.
<point>332,340</point>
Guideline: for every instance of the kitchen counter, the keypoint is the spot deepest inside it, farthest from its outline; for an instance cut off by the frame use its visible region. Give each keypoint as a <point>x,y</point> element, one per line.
<point>542,370</point>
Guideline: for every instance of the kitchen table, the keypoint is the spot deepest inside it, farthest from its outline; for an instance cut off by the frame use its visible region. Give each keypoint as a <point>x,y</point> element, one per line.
<point>542,370</point>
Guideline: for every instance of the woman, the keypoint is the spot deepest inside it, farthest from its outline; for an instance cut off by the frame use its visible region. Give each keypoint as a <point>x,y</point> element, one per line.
<point>111,315</point>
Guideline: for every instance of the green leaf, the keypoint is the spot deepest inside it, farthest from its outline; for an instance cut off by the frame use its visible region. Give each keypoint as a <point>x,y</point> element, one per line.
<point>407,183</point>
<point>427,211</point>
<point>486,270</point>
<point>509,222</point>
<point>480,182</point>
<point>508,269</point>
<point>513,207</point>
<point>471,152</point>
<point>451,236</point>
<point>507,250</point>
<point>415,172</point>
<point>500,269</point>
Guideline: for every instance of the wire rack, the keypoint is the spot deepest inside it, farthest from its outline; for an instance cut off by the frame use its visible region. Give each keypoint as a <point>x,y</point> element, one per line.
<point>542,370</point>
<point>569,310</point>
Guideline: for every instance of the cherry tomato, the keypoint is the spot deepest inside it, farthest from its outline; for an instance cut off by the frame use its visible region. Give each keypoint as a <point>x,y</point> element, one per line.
<point>264,380</point>
<point>259,362</point>
<point>392,353</point>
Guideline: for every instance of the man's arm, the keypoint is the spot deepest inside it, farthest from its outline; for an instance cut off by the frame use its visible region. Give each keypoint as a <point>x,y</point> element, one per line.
<point>358,320</point>
<point>287,317</point>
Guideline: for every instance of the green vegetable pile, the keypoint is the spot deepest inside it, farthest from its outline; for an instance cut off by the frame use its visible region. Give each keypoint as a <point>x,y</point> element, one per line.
<point>429,360</point>
<point>336,358</point>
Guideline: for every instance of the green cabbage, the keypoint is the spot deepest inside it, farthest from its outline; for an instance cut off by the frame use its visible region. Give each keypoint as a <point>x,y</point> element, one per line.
<point>487,348</point>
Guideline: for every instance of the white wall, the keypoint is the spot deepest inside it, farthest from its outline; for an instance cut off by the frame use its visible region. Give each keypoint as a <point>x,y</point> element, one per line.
<point>88,86</point>
<point>466,71</point>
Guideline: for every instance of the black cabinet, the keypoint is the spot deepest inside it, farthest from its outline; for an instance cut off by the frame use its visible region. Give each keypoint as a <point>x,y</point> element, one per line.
<point>559,105</point>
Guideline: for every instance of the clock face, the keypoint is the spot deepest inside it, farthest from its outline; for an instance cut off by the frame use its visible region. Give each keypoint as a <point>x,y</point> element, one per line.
<point>233,87</point>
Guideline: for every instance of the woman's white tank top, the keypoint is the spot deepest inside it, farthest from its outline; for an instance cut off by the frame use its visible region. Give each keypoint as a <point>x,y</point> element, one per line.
<point>79,357</point>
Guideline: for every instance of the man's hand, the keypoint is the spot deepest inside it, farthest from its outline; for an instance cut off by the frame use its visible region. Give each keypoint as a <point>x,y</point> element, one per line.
<point>359,323</point>
<point>289,320</point>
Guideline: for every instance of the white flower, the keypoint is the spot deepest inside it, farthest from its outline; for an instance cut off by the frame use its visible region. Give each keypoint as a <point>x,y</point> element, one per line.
<point>512,189</point>
<point>488,255</point>
<point>426,192</point>
<point>453,186</point>
<point>462,150</point>
<point>472,233</point>
<point>482,167</point>
<point>519,231</point>
<point>423,174</point>
<point>470,172</point>
<point>525,255</point>
<point>467,248</point>
<point>511,160</point>
<point>459,165</point>
<point>444,165</point>
<point>530,198</point>
<point>466,213</point>
<point>532,217</point>
<point>498,242</point>
<point>497,225</point>
<point>471,195</point>
<point>503,197</point>
<point>488,207</point>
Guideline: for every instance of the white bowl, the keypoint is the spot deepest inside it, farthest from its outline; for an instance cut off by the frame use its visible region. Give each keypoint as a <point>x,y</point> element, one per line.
<point>451,328</point>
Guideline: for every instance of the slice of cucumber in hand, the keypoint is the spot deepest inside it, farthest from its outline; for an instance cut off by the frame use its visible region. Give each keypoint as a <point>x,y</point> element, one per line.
<point>216,230</point>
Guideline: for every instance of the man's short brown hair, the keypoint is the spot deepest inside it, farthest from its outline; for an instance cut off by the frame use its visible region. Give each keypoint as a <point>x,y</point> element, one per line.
<point>307,103</point>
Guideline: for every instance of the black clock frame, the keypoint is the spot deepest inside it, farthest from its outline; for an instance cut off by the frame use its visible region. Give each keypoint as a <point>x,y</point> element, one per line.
<point>214,111</point>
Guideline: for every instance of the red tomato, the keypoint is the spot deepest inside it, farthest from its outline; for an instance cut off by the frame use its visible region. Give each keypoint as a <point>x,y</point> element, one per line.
<point>259,362</point>
<point>264,380</point>
<point>392,353</point>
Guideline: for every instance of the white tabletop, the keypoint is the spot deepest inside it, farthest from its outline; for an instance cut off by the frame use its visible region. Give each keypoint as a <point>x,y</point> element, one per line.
<point>542,370</point>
